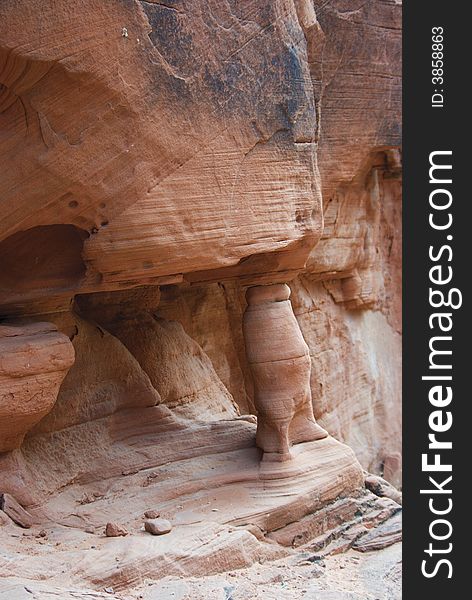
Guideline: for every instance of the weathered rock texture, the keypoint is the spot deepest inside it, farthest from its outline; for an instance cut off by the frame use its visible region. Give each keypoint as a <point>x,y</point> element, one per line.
<point>34,360</point>
<point>348,304</point>
<point>161,163</point>
<point>163,135</point>
<point>280,364</point>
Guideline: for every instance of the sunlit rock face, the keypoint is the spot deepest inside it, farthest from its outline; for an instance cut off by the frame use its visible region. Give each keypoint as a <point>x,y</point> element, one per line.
<point>167,168</point>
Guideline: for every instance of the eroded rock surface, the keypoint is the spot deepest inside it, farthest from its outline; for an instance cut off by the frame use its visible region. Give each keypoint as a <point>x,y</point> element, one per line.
<point>159,160</point>
<point>195,123</point>
<point>279,359</point>
<point>34,359</point>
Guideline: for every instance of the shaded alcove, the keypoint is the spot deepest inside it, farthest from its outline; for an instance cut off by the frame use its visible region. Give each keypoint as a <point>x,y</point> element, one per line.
<point>43,257</point>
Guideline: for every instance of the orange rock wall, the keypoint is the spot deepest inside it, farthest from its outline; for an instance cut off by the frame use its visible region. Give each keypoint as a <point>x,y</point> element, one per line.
<point>158,158</point>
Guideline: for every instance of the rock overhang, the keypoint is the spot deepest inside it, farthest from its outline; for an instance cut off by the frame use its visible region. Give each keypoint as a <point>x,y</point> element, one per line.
<point>181,149</point>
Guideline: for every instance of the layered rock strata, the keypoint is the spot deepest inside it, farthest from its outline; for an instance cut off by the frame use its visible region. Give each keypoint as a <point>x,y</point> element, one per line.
<point>34,359</point>
<point>163,172</point>
<point>279,359</point>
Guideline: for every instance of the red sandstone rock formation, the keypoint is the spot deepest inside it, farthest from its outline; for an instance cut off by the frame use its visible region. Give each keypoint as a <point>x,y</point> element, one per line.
<point>159,159</point>
<point>34,359</point>
<point>280,364</point>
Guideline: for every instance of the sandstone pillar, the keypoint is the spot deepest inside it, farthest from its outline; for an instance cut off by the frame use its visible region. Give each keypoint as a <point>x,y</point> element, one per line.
<point>280,363</point>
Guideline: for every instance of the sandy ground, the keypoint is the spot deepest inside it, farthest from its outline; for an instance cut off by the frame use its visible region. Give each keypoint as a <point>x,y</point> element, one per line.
<point>349,576</point>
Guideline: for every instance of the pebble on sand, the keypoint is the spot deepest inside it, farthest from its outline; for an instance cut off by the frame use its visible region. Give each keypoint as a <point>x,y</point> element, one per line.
<point>157,526</point>
<point>115,530</point>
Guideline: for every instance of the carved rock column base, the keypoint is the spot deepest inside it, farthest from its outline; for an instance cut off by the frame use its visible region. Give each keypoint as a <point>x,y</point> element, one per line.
<point>280,363</point>
<point>34,360</point>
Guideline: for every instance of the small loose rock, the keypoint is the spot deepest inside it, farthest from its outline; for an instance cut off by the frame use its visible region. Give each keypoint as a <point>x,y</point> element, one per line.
<point>152,514</point>
<point>317,572</point>
<point>157,526</point>
<point>115,530</point>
